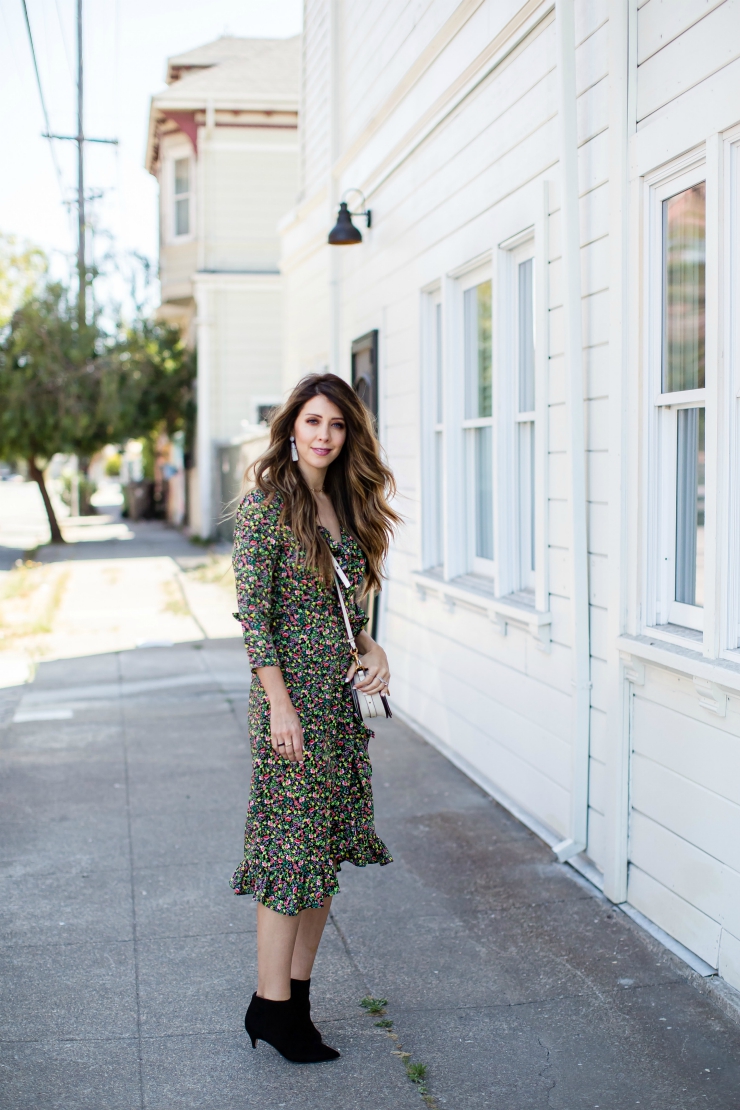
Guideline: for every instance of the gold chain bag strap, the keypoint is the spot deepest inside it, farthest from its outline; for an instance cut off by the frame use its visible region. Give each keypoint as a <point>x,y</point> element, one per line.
<point>366,705</point>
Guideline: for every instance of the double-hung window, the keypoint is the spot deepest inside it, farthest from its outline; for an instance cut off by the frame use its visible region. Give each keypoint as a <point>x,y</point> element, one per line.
<point>182,194</point>
<point>679,401</point>
<point>478,424</point>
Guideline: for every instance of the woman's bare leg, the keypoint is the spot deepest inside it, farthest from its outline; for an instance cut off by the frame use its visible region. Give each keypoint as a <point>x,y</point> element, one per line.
<point>311,926</point>
<point>276,938</point>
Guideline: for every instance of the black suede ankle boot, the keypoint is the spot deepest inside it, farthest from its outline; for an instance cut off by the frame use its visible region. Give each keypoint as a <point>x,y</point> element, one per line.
<point>300,996</point>
<point>279,1024</point>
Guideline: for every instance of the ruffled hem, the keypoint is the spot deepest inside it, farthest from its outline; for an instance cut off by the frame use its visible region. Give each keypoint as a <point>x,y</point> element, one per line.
<point>285,892</point>
<point>289,891</point>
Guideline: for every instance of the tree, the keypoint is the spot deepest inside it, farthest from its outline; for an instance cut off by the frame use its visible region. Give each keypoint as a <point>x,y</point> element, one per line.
<point>71,391</point>
<point>22,266</point>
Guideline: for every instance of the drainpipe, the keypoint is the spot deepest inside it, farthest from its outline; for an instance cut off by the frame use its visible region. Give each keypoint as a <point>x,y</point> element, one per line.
<point>204,443</point>
<point>580,635</point>
<point>335,253</point>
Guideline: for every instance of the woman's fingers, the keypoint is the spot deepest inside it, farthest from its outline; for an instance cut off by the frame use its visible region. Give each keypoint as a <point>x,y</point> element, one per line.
<point>289,744</point>
<point>351,671</point>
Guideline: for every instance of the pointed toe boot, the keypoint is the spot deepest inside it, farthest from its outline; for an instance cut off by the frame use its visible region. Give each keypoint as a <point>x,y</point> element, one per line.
<point>280,1025</point>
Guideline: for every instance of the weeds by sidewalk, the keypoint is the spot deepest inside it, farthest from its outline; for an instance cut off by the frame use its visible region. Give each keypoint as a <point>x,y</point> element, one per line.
<point>415,1069</point>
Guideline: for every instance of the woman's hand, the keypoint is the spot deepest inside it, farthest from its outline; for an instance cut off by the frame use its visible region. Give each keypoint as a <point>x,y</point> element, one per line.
<point>286,734</point>
<point>375,665</point>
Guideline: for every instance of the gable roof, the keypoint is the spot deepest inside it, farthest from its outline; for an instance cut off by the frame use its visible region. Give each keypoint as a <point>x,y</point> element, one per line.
<point>232,74</point>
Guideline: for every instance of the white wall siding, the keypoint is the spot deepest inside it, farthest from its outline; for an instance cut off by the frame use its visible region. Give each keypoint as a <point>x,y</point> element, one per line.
<point>447,120</point>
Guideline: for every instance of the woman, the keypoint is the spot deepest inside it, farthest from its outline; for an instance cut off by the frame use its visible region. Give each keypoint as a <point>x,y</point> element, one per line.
<point>321,494</point>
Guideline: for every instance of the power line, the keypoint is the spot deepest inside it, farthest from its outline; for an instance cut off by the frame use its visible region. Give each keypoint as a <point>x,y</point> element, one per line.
<point>43,102</point>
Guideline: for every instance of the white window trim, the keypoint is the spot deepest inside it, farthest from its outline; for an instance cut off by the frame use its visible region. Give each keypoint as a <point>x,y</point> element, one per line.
<point>728,423</point>
<point>486,568</point>
<point>658,604</point>
<point>431,298</point>
<point>176,154</point>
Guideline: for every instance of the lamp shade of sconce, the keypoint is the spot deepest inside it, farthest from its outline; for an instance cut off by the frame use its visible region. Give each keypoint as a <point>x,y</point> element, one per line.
<point>344,232</point>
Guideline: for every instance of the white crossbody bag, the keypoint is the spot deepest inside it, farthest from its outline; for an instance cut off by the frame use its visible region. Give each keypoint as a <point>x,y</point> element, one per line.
<point>366,705</point>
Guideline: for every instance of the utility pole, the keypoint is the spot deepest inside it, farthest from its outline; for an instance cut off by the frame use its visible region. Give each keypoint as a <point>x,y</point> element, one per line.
<point>81,267</point>
<point>80,138</point>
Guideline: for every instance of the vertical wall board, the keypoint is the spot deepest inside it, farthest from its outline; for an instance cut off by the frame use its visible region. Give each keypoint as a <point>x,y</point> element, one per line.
<point>596,784</point>
<point>600,678</point>
<point>699,879</point>
<point>558,485</point>
<point>556,378</point>
<point>595,266</point>
<point>561,629</point>
<point>596,360</point>
<point>661,21</point>
<point>729,958</point>
<point>692,812</point>
<point>598,734</point>
<point>557,428</point>
<point>589,16</point>
<point>593,110</point>
<point>597,437</point>
<point>599,622</point>
<point>593,163</point>
<point>558,571</point>
<point>598,528</point>
<point>592,59</point>
<point>599,581</point>
<point>555,339</point>
<point>597,469</point>
<point>558,532</point>
<point>700,51</point>
<point>595,847</point>
<point>596,318</point>
<point>684,922</point>
<point>594,214</point>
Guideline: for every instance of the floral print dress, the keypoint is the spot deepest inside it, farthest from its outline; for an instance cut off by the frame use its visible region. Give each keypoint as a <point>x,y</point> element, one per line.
<point>303,820</point>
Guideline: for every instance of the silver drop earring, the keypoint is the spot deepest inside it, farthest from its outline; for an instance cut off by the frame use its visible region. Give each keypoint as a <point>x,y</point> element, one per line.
<point>293,449</point>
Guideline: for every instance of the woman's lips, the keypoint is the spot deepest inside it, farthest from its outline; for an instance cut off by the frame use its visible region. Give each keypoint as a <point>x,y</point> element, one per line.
<point>320,450</point>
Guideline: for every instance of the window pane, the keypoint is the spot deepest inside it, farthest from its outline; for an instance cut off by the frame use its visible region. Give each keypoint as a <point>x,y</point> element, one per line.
<point>438,479</point>
<point>182,217</point>
<point>684,226</point>
<point>690,507</point>
<point>477,325</point>
<point>526,336</point>
<point>526,502</point>
<point>438,359</point>
<point>182,175</point>
<point>483,493</point>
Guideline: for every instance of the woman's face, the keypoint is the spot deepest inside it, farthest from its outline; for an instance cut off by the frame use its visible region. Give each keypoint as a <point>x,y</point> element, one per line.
<point>320,431</point>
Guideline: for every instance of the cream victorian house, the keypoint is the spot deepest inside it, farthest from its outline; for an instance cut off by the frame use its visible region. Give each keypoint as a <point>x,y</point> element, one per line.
<point>223,146</point>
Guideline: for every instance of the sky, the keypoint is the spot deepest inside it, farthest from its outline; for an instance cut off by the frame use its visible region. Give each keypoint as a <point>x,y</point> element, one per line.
<point>126,45</point>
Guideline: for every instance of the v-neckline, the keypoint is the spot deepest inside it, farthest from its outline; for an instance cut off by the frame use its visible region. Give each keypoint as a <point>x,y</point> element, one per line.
<point>337,543</point>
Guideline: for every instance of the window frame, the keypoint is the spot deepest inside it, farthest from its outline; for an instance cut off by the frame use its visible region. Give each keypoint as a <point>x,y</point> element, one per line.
<point>474,564</point>
<point>729,424</point>
<point>663,616</point>
<point>433,406</point>
<point>175,155</point>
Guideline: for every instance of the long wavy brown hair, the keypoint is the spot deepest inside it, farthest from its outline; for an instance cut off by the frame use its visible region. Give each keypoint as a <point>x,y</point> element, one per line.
<point>358,482</point>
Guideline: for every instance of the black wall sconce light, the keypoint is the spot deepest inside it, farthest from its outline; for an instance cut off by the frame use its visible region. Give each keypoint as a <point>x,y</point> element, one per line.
<point>344,232</point>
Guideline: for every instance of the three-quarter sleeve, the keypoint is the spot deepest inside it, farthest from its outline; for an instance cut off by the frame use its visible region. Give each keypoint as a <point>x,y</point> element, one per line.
<point>256,550</point>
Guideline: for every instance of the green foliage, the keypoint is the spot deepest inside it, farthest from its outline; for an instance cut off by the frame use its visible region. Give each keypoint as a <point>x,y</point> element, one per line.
<point>21,268</point>
<point>374,1005</point>
<point>67,391</point>
<point>113,466</point>
<point>416,1072</point>
<point>384,1023</point>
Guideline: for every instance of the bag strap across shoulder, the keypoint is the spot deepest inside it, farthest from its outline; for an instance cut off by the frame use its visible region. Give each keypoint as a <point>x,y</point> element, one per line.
<point>340,576</point>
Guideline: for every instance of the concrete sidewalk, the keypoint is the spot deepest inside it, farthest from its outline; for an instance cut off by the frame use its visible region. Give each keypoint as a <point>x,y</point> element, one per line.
<point>128,963</point>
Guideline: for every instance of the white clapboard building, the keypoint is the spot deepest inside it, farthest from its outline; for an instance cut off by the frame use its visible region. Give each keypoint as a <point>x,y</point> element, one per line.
<point>546,306</point>
<point>223,145</point>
